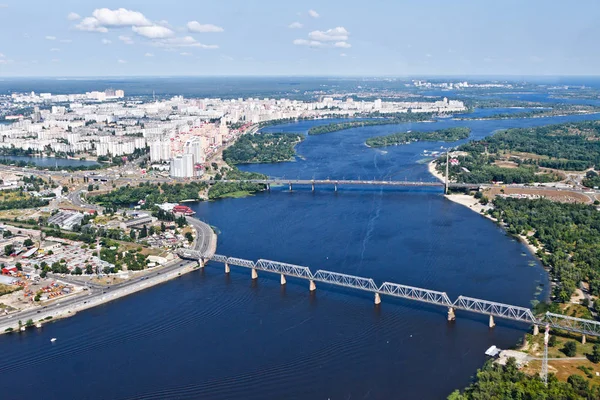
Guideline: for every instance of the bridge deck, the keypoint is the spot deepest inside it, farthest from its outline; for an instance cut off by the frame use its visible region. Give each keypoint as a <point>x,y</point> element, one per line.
<point>479,306</point>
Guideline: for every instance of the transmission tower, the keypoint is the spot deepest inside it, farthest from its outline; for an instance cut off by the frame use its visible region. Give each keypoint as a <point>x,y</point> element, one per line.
<point>545,360</point>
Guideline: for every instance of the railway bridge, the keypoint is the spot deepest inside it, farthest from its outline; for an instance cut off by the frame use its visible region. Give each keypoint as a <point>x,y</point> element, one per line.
<point>411,293</point>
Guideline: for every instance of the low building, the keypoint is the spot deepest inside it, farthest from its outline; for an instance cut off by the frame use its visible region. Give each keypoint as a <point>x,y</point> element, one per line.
<point>137,222</point>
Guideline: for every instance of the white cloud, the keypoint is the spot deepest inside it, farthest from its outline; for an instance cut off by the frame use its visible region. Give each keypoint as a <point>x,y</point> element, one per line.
<point>106,41</point>
<point>338,34</point>
<point>295,25</point>
<point>54,49</point>
<point>3,5</point>
<point>186,41</point>
<point>90,24</point>
<point>310,43</point>
<point>50,37</point>
<point>343,45</point>
<point>153,32</point>
<point>56,60</point>
<point>343,55</point>
<point>126,39</point>
<point>120,17</point>
<point>122,61</point>
<point>185,54</point>
<point>313,13</point>
<point>73,16</point>
<point>66,41</point>
<point>197,27</point>
<point>148,55</point>
<point>2,55</point>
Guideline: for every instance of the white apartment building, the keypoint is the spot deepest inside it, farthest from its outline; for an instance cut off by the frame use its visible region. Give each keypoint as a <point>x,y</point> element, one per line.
<point>182,166</point>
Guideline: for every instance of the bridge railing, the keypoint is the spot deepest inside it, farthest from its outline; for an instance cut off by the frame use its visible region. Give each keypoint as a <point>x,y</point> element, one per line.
<point>496,309</point>
<point>415,293</point>
<point>240,262</point>
<point>350,281</point>
<point>572,324</point>
<point>284,269</point>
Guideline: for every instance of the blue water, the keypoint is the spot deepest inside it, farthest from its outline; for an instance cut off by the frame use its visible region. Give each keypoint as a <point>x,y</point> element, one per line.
<point>211,336</point>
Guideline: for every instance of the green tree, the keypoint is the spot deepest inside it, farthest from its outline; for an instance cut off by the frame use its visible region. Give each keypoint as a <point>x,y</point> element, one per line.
<point>28,242</point>
<point>8,249</point>
<point>90,188</point>
<point>570,348</point>
<point>189,237</point>
<point>143,232</point>
<point>77,271</point>
<point>89,270</point>
<point>595,356</point>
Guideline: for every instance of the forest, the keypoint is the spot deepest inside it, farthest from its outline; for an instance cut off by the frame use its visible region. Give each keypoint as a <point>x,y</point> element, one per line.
<point>263,148</point>
<point>154,194</point>
<point>495,381</point>
<point>569,146</point>
<point>221,190</point>
<point>441,135</point>
<point>569,233</point>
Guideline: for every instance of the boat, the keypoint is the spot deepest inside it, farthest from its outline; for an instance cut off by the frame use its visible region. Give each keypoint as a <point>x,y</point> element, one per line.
<point>53,339</point>
<point>185,210</point>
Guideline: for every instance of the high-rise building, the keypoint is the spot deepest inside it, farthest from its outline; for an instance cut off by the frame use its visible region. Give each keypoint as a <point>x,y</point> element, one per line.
<point>195,148</point>
<point>182,166</point>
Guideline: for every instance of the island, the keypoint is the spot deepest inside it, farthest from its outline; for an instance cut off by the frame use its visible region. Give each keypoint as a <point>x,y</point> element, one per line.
<point>263,148</point>
<point>441,135</point>
<point>396,119</point>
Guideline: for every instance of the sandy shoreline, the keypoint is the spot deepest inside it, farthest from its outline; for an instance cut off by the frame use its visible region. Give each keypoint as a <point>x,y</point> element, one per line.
<point>431,168</point>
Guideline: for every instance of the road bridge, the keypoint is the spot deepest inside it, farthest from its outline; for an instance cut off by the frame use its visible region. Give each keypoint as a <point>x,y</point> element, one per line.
<point>462,303</point>
<point>335,183</point>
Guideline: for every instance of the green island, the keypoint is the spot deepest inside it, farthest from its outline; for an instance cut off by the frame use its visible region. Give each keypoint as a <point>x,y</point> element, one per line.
<point>441,135</point>
<point>396,119</point>
<point>262,148</point>
<point>528,155</point>
<point>541,111</point>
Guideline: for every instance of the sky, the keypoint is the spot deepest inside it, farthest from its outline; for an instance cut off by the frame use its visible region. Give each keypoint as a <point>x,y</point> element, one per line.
<point>298,38</point>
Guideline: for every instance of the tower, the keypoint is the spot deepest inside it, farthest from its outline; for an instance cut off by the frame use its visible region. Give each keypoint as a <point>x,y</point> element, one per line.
<point>447,165</point>
<point>545,360</point>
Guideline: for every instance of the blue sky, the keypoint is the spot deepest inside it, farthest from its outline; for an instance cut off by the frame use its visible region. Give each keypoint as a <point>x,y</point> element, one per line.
<point>285,37</point>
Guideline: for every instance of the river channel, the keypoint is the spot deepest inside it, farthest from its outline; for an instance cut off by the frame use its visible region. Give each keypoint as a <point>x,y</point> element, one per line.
<point>211,336</point>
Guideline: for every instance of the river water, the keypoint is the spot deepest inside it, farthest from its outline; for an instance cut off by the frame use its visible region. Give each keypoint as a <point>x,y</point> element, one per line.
<point>211,336</point>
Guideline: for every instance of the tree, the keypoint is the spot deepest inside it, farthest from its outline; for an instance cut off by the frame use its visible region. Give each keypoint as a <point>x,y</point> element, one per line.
<point>19,266</point>
<point>89,270</point>
<point>6,234</point>
<point>189,237</point>
<point>143,232</point>
<point>28,242</point>
<point>552,341</point>
<point>64,190</point>
<point>8,249</point>
<point>595,356</point>
<point>163,227</point>
<point>90,188</point>
<point>570,348</point>
<point>132,234</point>
<point>77,271</point>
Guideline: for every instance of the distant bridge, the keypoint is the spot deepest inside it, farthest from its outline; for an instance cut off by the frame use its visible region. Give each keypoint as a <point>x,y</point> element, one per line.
<point>346,182</point>
<point>479,306</point>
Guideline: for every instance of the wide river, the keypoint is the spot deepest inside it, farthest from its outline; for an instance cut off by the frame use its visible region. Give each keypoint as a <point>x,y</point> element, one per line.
<point>211,336</point>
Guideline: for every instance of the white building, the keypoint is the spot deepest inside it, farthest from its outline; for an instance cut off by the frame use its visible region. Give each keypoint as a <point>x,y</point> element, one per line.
<point>194,147</point>
<point>182,166</point>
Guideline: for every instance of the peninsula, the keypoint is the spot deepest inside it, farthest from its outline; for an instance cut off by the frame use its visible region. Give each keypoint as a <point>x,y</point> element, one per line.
<point>441,135</point>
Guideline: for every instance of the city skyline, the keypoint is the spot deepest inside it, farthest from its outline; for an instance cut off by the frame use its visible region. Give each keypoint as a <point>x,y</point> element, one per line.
<point>332,38</point>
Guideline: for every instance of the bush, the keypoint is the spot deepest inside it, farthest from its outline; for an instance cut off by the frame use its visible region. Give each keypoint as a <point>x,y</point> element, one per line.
<point>570,348</point>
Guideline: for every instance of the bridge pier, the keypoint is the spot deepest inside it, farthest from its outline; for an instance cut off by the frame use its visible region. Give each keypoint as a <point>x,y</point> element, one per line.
<point>313,186</point>
<point>536,330</point>
<point>583,339</point>
<point>283,281</point>
<point>254,274</point>
<point>492,323</point>
<point>377,299</point>
<point>227,269</point>
<point>290,186</point>
<point>451,315</point>
<point>201,263</point>
<point>312,286</point>
<point>268,187</point>
<point>335,187</point>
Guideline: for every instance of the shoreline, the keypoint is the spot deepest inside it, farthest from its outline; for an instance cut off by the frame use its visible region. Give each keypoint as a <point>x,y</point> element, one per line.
<point>79,303</point>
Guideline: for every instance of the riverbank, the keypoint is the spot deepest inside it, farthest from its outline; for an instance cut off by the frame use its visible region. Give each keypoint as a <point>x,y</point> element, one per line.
<point>206,240</point>
<point>431,167</point>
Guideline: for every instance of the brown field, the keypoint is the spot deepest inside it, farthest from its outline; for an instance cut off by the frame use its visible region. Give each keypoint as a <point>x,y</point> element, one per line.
<point>563,196</point>
<point>506,164</point>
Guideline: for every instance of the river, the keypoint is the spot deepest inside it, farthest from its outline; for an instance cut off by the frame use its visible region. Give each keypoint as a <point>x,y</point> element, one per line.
<point>49,161</point>
<point>211,336</point>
